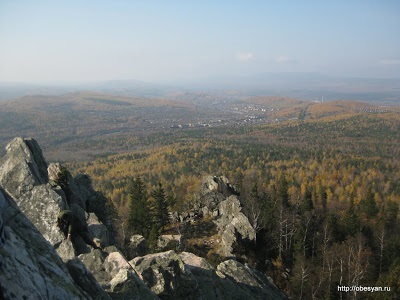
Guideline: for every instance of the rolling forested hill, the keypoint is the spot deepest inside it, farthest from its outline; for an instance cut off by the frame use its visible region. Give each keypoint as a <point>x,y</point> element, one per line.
<point>321,182</point>
<point>332,144</point>
<point>83,125</point>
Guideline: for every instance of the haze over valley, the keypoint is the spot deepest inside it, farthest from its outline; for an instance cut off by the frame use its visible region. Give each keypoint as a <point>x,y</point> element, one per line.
<point>87,120</point>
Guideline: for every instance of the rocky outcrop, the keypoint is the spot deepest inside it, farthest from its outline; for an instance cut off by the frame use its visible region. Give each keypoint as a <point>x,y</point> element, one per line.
<point>85,279</point>
<point>83,186</point>
<point>30,267</point>
<point>187,276</point>
<point>42,192</point>
<point>23,174</point>
<point>233,226</point>
<point>98,230</point>
<point>137,246</point>
<point>23,167</point>
<point>60,176</point>
<point>169,241</point>
<point>252,284</point>
<point>213,190</point>
<point>167,276</point>
<point>114,273</point>
<point>219,199</point>
<point>219,185</point>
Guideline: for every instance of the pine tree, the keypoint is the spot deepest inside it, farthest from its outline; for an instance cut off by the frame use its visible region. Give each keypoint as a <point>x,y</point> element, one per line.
<point>307,204</point>
<point>282,190</point>
<point>160,209</point>
<point>335,228</point>
<point>368,205</point>
<point>351,221</point>
<point>139,216</point>
<point>390,213</point>
<point>324,202</point>
<point>152,239</point>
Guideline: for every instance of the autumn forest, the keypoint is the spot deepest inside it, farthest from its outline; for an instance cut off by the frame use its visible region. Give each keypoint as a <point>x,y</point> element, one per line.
<point>322,190</point>
<point>318,181</point>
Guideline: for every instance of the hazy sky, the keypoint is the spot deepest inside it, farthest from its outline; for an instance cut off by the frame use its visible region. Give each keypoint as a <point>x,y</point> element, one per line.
<point>163,41</point>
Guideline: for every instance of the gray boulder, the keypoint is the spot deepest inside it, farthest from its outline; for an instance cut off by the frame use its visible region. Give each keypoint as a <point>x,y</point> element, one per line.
<point>30,267</point>
<point>249,283</point>
<point>193,261</point>
<point>218,200</point>
<point>213,191</point>
<point>98,230</point>
<point>125,282</point>
<point>42,205</point>
<point>94,262</point>
<point>66,250</point>
<point>84,186</point>
<point>127,285</point>
<point>137,246</point>
<point>85,279</point>
<point>23,167</point>
<point>187,276</point>
<point>217,184</point>
<point>210,285</point>
<point>233,225</point>
<point>114,273</point>
<point>115,262</point>
<point>169,241</point>
<point>167,276</point>
<point>231,280</point>
<point>80,274</point>
<point>208,184</point>
<point>23,174</point>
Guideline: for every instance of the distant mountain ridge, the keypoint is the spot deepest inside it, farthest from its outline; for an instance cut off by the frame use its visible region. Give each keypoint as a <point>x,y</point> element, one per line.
<point>310,86</point>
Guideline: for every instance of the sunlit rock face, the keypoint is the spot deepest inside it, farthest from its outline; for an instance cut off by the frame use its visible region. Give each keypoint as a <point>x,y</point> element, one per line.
<point>23,174</point>
<point>30,267</point>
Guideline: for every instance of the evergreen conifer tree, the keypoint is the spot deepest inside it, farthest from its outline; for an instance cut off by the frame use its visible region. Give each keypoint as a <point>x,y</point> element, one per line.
<point>152,239</point>
<point>139,221</point>
<point>307,204</point>
<point>368,205</point>
<point>160,209</point>
<point>282,190</point>
<point>351,220</point>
